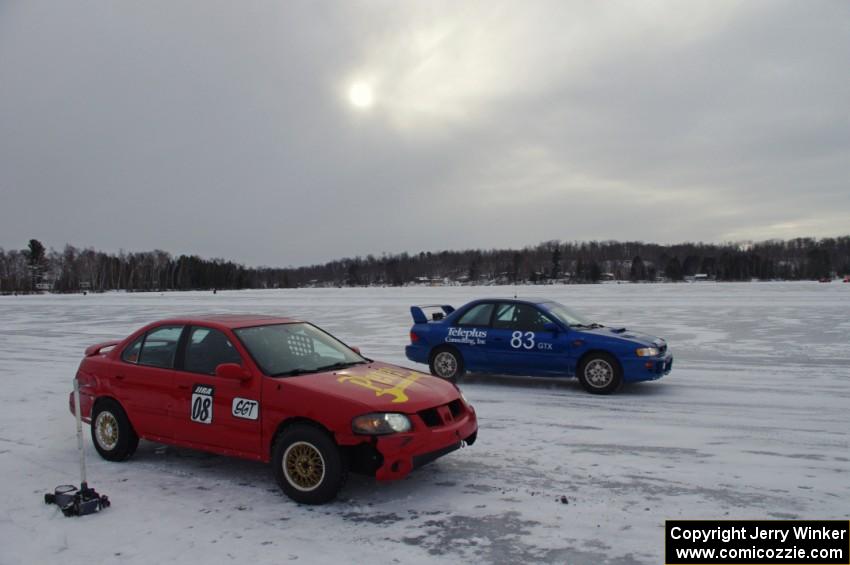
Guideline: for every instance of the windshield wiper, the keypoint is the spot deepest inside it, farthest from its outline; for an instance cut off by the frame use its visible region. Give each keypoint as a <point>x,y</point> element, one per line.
<point>592,326</point>
<point>339,365</point>
<point>295,372</point>
<point>323,368</point>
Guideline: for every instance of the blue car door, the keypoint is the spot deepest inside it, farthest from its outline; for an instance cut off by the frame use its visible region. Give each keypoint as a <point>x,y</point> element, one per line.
<point>523,343</point>
<point>470,334</point>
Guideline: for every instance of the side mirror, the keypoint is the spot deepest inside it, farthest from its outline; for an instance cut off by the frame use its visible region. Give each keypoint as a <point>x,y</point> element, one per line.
<point>551,327</point>
<point>356,350</point>
<point>232,371</point>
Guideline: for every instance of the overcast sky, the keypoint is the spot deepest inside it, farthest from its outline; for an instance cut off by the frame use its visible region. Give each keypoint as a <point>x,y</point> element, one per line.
<point>287,133</point>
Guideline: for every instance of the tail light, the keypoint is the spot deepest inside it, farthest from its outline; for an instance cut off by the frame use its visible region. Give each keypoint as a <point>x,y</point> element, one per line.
<point>86,379</point>
<point>413,337</point>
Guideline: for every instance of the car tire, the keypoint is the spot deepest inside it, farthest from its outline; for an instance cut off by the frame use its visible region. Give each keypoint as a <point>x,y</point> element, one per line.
<point>446,363</point>
<point>111,432</point>
<point>308,465</point>
<point>600,373</point>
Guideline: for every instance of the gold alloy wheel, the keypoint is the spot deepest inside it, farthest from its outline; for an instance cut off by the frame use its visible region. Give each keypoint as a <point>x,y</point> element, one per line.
<point>106,430</point>
<point>303,466</point>
<point>599,373</point>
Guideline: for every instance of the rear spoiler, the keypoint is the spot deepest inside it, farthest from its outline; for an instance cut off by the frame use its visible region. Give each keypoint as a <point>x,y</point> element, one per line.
<point>419,316</point>
<point>97,348</point>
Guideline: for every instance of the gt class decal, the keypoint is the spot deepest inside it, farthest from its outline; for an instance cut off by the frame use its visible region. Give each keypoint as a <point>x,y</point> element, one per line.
<point>201,407</point>
<point>245,408</point>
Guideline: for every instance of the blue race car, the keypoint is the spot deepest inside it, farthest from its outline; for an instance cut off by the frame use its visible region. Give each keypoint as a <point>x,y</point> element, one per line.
<point>533,338</point>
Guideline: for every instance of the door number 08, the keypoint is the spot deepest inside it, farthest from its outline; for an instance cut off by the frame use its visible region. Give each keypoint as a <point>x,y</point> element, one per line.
<point>202,408</point>
<point>522,340</point>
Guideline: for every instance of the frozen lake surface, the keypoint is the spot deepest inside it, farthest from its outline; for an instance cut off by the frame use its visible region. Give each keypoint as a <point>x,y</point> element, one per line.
<point>753,422</point>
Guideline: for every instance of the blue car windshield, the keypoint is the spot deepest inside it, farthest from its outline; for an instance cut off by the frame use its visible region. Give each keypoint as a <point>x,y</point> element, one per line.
<point>565,315</point>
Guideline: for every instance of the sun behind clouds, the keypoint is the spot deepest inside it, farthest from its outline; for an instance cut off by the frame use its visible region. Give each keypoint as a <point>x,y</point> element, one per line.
<point>361,95</point>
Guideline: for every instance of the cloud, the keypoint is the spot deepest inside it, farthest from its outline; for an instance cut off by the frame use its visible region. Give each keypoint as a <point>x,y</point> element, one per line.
<point>226,130</point>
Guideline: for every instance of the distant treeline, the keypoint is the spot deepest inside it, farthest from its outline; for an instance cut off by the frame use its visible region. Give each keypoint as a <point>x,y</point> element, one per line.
<point>72,270</point>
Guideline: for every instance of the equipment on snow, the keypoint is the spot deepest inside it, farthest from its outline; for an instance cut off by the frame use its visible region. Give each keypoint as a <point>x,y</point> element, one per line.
<point>71,500</point>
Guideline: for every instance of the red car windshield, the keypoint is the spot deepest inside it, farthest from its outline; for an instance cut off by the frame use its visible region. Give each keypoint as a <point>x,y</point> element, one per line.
<point>296,349</point>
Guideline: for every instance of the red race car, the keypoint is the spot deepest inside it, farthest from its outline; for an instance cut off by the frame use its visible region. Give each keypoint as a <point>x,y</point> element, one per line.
<point>269,389</point>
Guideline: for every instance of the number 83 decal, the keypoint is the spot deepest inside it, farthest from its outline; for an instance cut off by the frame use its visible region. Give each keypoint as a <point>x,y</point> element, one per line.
<point>522,340</point>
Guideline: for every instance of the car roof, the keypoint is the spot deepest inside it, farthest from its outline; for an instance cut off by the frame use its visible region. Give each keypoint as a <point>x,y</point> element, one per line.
<point>230,321</point>
<point>513,300</point>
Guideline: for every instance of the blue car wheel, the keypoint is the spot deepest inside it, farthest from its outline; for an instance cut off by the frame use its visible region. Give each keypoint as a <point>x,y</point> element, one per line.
<point>600,373</point>
<point>446,363</point>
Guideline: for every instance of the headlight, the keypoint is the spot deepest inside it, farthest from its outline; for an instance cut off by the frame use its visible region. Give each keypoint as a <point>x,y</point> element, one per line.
<point>380,423</point>
<point>647,352</point>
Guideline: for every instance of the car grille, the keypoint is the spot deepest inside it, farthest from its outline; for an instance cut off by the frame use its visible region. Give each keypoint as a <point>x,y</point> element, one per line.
<point>442,415</point>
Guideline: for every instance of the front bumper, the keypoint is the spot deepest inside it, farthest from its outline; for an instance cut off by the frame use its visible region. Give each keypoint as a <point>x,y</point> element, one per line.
<point>647,368</point>
<point>402,453</point>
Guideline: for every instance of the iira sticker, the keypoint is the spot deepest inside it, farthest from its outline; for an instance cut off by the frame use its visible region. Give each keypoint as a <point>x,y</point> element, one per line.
<point>201,408</point>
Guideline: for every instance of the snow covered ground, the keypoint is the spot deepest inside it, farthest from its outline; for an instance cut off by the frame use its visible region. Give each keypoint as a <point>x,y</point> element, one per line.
<point>753,422</point>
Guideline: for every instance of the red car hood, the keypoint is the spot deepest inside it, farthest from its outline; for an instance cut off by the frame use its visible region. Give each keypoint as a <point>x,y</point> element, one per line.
<point>381,387</point>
